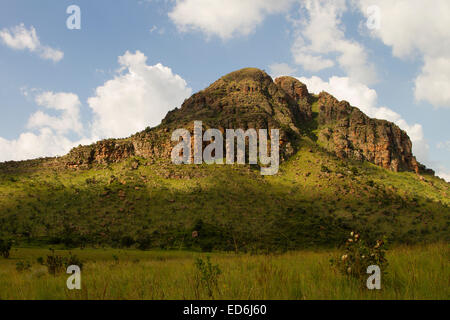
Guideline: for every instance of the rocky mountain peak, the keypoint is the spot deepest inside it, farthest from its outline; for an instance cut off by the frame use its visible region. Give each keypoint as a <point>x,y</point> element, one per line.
<point>250,98</point>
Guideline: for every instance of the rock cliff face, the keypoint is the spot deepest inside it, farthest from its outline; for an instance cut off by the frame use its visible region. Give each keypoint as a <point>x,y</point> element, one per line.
<point>351,134</point>
<point>103,152</point>
<point>249,98</point>
<point>299,93</point>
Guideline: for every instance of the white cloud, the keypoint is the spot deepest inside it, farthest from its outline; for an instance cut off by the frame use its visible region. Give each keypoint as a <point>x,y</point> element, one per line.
<point>281,69</point>
<point>51,54</point>
<point>138,97</point>
<point>343,88</point>
<point>67,103</point>
<point>50,136</point>
<point>419,28</point>
<point>30,145</point>
<point>444,175</point>
<point>433,84</point>
<point>359,95</point>
<point>321,43</point>
<point>224,18</point>
<point>21,38</point>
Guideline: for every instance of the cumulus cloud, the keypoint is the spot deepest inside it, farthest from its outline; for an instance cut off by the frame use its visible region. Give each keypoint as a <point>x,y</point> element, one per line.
<point>51,54</point>
<point>433,84</point>
<point>224,18</point>
<point>281,69</point>
<point>320,41</point>
<point>69,106</point>
<point>343,88</point>
<point>139,96</point>
<point>416,28</point>
<point>48,135</point>
<point>31,145</point>
<point>361,96</point>
<point>21,38</point>
<point>444,175</point>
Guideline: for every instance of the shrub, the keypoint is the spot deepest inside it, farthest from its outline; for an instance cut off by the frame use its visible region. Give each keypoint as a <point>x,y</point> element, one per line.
<point>54,263</point>
<point>370,183</point>
<point>5,248</point>
<point>206,245</point>
<point>359,255</point>
<point>58,264</point>
<point>22,266</point>
<point>144,242</point>
<point>127,241</point>
<point>73,260</point>
<point>206,276</point>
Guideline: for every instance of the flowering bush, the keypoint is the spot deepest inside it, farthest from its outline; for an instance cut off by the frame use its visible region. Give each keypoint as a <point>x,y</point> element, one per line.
<point>359,255</point>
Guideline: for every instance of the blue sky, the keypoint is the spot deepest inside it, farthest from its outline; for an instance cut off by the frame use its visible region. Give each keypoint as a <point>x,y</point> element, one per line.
<point>170,49</point>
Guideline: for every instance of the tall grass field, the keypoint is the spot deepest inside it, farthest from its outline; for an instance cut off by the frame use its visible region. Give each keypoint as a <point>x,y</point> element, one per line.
<point>414,272</point>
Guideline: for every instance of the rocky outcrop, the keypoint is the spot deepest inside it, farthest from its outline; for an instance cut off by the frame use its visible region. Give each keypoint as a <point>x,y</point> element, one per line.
<point>299,93</point>
<point>244,99</point>
<point>349,133</point>
<point>102,152</point>
<point>249,98</point>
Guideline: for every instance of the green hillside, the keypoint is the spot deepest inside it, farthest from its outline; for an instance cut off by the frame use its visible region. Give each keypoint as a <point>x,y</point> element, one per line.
<point>314,200</point>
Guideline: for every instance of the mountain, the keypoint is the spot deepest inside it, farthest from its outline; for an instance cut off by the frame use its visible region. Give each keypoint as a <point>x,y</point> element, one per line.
<point>341,170</point>
<point>249,98</point>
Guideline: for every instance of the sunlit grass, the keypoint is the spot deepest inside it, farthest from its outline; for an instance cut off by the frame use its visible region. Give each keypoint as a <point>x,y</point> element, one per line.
<point>419,272</point>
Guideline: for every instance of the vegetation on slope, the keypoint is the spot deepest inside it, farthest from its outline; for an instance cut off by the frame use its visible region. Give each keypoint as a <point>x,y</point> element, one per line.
<point>315,200</point>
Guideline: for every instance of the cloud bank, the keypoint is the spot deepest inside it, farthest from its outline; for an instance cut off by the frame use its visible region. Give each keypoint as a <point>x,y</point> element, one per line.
<point>321,43</point>
<point>139,96</point>
<point>418,29</point>
<point>21,38</point>
<point>224,18</point>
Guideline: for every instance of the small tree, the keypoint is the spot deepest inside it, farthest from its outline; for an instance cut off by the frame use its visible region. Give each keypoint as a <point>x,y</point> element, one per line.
<point>22,266</point>
<point>207,275</point>
<point>58,264</point>
<point>5,248</point>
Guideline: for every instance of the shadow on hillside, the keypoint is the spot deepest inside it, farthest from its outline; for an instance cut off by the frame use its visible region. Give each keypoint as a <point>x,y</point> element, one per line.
<point>230,208</point>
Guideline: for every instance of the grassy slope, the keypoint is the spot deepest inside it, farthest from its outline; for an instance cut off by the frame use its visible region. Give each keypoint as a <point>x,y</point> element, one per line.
<point>418,272</point>
<point>232,207</point>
